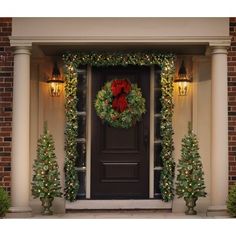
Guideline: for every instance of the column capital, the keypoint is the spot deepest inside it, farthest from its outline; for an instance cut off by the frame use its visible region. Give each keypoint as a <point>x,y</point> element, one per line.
<point>22,50</point>
<point>219,49</point>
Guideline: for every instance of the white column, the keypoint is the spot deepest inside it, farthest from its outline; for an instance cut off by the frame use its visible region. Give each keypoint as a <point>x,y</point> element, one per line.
<point>219,145</point>
<point>20,179</point>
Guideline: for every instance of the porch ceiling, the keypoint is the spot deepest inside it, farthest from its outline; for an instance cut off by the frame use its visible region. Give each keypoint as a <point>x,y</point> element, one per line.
<point>57,50</point>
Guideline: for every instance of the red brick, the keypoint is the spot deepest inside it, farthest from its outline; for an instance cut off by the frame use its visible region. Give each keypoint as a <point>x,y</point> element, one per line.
<point>7,149</point>
<point>6,79</point>
<point>232,163</point>
<point>7,129</point>
<point>232,101</point>
<point>7,173</point>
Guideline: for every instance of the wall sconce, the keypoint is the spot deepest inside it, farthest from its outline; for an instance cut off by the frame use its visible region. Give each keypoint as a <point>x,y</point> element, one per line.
<point>55,82</point>
<point>183,80</point>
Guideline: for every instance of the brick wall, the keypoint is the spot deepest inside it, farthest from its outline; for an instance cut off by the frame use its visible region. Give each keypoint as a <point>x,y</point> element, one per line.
<point>6,81</point>
<point>232,102</point>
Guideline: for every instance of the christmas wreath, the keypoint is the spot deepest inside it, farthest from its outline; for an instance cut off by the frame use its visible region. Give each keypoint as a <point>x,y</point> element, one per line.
<point>120,103</point>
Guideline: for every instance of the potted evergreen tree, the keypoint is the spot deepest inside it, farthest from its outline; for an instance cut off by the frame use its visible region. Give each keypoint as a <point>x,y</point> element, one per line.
<point>46,181</point>
<point>190,178</point>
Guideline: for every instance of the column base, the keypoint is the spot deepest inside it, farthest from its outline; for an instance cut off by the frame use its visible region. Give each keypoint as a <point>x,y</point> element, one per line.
<point>217,210</point>
<point>19,212</point>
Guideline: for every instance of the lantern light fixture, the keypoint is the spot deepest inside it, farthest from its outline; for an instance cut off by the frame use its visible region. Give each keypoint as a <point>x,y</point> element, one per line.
<point>55,82</point>
<point>183,79</point>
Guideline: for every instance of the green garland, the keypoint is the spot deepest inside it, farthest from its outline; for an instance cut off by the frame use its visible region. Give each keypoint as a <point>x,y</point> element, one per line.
<point>71,132</point>
<point>72,62</point>
<point>167,108</point>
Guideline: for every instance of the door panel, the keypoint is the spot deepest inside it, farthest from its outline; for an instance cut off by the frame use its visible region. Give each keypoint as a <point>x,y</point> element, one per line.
<point>120,157</point>
<point>110,143</point>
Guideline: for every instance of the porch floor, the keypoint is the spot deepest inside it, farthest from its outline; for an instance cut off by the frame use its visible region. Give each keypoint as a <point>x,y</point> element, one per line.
<point>119,214</point>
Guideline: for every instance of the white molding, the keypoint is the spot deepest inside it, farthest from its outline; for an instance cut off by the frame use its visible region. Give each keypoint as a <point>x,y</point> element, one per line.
<point>182,40</point>
<point>20,42</point>
<point>220,43</point>
<point>118,204</point>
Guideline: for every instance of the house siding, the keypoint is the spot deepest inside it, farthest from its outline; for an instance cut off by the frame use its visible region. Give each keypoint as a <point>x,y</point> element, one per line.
<point>6,89</point>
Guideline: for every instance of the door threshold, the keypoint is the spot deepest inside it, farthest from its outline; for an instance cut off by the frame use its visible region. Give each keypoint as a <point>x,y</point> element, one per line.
<point>118,204</point>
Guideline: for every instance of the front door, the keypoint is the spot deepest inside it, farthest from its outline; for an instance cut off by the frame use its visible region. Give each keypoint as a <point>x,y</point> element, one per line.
<point>120,157</point>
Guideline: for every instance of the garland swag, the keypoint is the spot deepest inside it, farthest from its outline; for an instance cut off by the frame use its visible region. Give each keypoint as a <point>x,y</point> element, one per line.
<point>72,61</point>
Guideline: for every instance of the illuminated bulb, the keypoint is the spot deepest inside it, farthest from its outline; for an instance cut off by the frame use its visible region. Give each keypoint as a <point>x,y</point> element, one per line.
<point>182,80</point>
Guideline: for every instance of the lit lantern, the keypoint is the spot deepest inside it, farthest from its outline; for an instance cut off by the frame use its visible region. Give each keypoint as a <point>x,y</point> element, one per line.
<point>55,82</point>
<point>183,80</point>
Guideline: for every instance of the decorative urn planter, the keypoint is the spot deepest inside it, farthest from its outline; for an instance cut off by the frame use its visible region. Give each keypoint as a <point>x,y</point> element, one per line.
<point>47,204</point>
<point>190,203</point>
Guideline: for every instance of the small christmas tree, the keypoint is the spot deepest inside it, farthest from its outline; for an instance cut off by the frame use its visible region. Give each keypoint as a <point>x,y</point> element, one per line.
<point>190,180</point>
<point>46,181</point>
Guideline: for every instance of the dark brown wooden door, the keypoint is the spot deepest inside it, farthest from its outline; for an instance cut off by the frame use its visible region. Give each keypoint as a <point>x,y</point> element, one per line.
<point>120,160</point>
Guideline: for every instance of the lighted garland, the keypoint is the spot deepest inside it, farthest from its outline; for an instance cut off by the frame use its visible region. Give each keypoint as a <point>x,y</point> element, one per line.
<point>167,107</point>
<point>72,62</point>
<point>71,133</point>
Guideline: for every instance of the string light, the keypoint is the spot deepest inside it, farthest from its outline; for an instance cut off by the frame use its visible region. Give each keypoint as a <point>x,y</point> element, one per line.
<point>46,175</point>
<point>167,63</point>
<point>190,181</point>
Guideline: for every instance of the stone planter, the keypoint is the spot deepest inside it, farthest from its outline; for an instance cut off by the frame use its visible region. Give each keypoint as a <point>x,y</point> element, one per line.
<point>47,204</point>
<point>190,203</point>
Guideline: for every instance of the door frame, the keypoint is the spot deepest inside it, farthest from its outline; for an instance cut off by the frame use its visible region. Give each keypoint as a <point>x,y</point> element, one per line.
<point>89,134</point>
